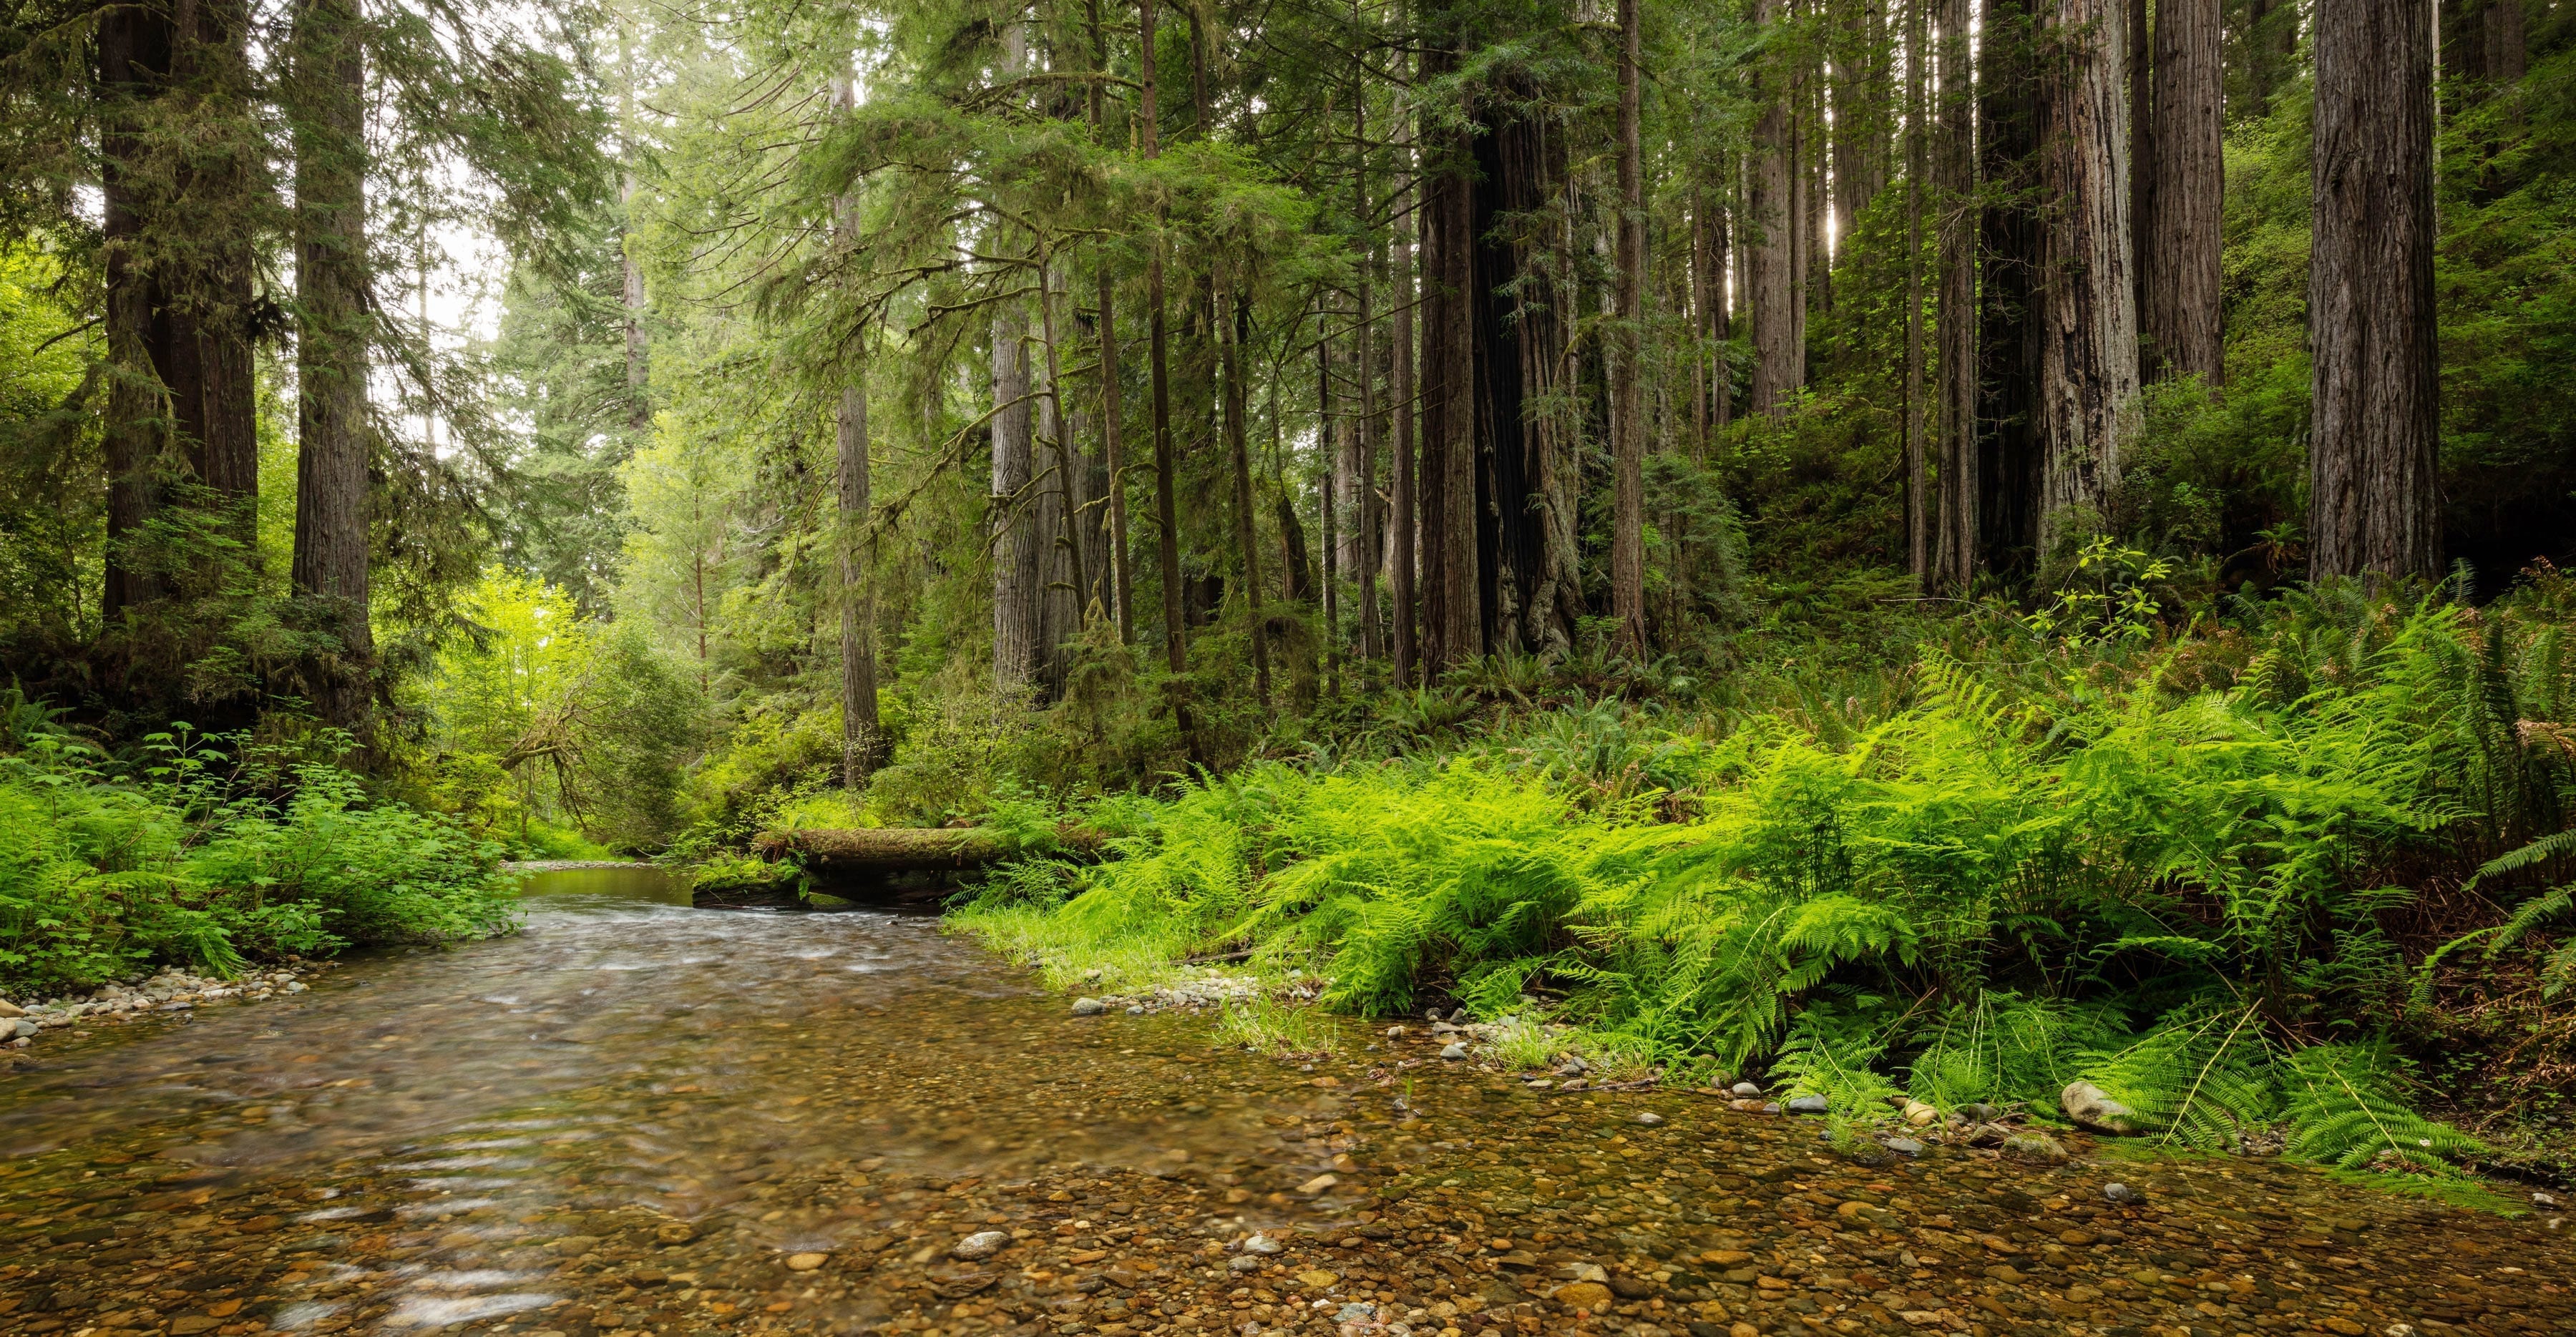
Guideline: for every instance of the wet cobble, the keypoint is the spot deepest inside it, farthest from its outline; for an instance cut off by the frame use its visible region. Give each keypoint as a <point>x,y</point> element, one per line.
<point>644,1119</point>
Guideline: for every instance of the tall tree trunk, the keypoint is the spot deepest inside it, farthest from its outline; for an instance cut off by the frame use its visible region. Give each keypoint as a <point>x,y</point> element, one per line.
<point>1954,191</point>
<point>2182,308</point>
<point>330,565</point>
<point>1331,447</point>
<point>1059,478</point>
<point>639,403</point>
<point>2088,370</point>
<point>2141,88</point>
<point>860,730</point>
<point>1167,539</point>
<point>134,49</point>
<point>1370,549</point>
<point>2008,323</point>
<point>2506,49</point>
<point>1627,402</point>
<point>860,733</point>
<point>1918,471</point>
<point>1015,512</point>
<point>1453,628</point>
<point>215,389</point>
<point>2375,507</point>
<point>1778,365</point>
<point>1405,560</point>
<point>1246,535</point>
<point>1112,427</point>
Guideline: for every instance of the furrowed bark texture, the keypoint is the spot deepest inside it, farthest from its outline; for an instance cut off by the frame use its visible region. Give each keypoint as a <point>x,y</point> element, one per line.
<point>1778,368</point>
<point>2088,368</point>
<point>330,564</point>
<point>2008,313</point>
<point>1956,554</point>
<point>2375,507</point>
<point>2182,252</point>
<point>1627,403</point>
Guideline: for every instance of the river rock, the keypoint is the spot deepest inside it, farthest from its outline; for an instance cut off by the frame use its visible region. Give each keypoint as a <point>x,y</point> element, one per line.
<point>1809,1105</point>
<point>2094,1111</point>
<point>1243,1263</point>
<point>1262,1244</point>
<point>1454,1051</point>
<point>981,1244</point>
<point>1903,1146</point>
<point>2123,1195</point>
<point>1919,1114</point>
<point>1590,1295</point>
<point>2035,1146</point>
<point>1089,1007</point>
<point>10,1009</point>
<point>19,1028</point>
<point>1745,1091</point>
<point>1648,1117</point>
<point>804,1262</point>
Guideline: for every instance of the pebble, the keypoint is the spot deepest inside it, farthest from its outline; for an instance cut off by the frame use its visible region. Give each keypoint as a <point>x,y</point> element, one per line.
<point>2092,1109</point>
<point>1648,1117</point>
<point>1903,1146</point>
<point>1809,1105</point>
<point>1746,1091</point>
<point>1089,1007</point>
<point>1454,1051</point>
<point>1262,1244</point>
<point>981,1244</point>
<point>2123,1194</point>
<point>804,1262</point>
<point>1243,1263</point>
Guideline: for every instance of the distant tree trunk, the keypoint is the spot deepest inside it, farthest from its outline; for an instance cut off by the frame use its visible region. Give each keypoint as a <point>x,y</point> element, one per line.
<point>216,396</point>
<point>1627,402</point>
<point>331,512</point>
<point>2506,48</point>
<point>1058,478</point>
<point>2088,371</point>
<point>1176,655</point>
<point>1015,512</point>
<point>2008,322</point>
<point>1331,443</point>
<point>1919,538</point>
<point>1778,366</point>
<point>860,733</point>
<point>639,403</point>
<point>2182,251</point>
<point>2375,504</point>
<point>2271,46</point>
<point>1112,429</point>
<point>1405,559</point>
<point>1246,535</point>
<point>1954,189</point>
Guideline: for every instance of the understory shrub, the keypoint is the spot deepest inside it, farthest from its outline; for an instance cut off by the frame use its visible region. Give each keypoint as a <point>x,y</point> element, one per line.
<point>207,857</point>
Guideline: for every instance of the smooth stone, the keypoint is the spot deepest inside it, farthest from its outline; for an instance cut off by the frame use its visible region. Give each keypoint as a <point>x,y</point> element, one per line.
<point>981,1244</point>
<point>1809,1105</point>
<point>1135,1009</point>
<point>1919,1114</point>
<point>2034,1145</point>
<point>1243,1263</point>
<point>1745,1091</point>
<point>2123,1194</point>
<point>1648,1117</point>
<point>804,1262</point>
<point>22,1028</point>
<point>2093,1110</point>
<point>1454,1051</point>
<point>1318,1184</point>
<point>1355,1312</point>
<point>1089,1007</point>
<point>297,987</point>
<point>1903,1146</point>
<point>1976,1111</point>
<point>10,1009</point>
<point>1263,1244</point>
<point>1586,1295</point>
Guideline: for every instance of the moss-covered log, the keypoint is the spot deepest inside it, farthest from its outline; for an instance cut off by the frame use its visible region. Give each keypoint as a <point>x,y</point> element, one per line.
<point>897,849</point>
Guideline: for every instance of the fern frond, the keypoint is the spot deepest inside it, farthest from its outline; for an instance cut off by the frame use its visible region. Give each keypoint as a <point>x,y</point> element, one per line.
<point>2341,1110</point>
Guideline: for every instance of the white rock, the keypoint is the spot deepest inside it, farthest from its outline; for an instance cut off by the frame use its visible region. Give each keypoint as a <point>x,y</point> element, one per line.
<point>981,1244</point>
<point>1263,1244</point>
<point>2092,1109</point>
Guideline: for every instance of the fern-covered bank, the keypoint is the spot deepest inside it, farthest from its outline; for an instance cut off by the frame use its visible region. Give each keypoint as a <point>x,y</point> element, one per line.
<point>2234,877</point>
<point>208,854</point>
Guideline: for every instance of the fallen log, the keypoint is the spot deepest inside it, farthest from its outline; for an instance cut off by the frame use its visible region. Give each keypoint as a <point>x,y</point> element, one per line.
<point>902,849</point>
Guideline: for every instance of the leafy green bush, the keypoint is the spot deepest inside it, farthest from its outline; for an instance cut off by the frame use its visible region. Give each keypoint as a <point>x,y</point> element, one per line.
<point>210,855</point>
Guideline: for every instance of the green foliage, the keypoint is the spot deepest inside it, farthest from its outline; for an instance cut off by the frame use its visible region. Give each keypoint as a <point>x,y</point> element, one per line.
<point>213,852</point>
<point>2017,880</point>
<point>2342,1110</point>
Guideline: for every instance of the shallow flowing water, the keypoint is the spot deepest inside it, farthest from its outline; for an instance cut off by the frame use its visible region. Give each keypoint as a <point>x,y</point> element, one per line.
<point>640,1117</point>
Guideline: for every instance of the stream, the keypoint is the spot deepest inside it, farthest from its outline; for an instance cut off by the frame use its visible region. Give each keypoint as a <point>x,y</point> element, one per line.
<point>640,1117</point>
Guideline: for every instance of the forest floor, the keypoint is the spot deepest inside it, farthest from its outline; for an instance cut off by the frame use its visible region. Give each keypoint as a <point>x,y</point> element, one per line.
<point>637,1117</point>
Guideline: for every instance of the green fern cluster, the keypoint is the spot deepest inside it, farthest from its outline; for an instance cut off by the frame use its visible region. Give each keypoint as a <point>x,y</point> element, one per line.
<point>2003,886</point>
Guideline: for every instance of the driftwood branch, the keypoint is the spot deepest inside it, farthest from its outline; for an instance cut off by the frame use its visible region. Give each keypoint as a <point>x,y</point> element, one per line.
<point>897,849</point>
